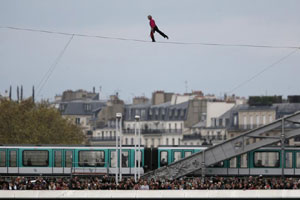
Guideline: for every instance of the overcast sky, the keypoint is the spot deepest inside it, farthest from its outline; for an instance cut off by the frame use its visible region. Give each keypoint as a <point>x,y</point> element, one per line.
<point>137,69</point>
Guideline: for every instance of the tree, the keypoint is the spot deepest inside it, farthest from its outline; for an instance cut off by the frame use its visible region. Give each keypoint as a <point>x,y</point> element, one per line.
<point>30,123</point>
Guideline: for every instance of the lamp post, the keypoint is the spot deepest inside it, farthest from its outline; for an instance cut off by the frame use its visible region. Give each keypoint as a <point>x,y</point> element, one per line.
<point>139,150</point>
<point>118,117</point>
<point>119,124</point>
<point>137,118</point>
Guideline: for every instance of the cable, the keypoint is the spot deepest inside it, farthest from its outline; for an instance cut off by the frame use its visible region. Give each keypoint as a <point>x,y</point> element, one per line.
<point>262,71</point>
<point>146,41</point>
<point>52,67</point>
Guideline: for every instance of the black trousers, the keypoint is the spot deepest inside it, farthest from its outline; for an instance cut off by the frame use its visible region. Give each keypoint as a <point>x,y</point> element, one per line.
<point>157,30</point>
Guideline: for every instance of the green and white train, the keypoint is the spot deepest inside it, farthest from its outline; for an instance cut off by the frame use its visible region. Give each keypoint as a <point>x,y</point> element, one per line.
<point>64,160</point>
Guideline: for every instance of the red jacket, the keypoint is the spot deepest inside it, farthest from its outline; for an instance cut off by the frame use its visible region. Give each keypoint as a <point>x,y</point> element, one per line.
<point>152,23</point>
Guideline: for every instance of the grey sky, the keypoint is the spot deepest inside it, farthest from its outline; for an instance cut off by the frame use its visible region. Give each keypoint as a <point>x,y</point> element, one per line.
<point>137,69</point>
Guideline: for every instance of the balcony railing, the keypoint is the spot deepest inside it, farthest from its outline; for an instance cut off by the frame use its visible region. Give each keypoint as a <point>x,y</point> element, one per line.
<point>153,131</point>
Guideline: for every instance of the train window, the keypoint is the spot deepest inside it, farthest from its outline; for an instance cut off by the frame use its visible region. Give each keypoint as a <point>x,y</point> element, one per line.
<point>288,159</point>
<point>57,159</point>
<point>163,158</point>
<point>2,159</point>
<point>232,162</point>
<point>266,159</point>
<point>219,164</point>
<point>35,158</point>
<point>138,156</point>
<point>13,158</point>
<point>177,156</point>
<point>113,159</point>
<point>91,158</point>
<point>125,159</point>
<point>187,153</point>
<point>68,159</point>
<point>244,160</point>
<point>297,159</point>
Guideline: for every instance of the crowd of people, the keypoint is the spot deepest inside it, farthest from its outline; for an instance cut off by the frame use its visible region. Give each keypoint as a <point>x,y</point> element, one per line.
<point>108,183</point>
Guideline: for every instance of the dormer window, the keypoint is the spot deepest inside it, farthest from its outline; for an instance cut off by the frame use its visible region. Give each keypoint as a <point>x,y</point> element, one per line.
<point>87,107</point>
<point>62,107</point>
<point>156,111</point>
<point>176,112</point>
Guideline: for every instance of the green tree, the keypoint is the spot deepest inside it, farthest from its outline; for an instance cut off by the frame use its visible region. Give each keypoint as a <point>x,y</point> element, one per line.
<point>29,123</point>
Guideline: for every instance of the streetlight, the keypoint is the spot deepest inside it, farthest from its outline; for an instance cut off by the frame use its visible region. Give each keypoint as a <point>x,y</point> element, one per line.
<point>118,118</point>
<point>137,119</point>
<point>139,149</point>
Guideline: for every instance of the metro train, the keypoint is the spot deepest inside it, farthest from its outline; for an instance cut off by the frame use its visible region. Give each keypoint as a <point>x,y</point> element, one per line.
<point>87,160</point>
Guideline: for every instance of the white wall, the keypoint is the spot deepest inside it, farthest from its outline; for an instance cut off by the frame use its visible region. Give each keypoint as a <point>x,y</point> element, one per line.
<point>216,109</point>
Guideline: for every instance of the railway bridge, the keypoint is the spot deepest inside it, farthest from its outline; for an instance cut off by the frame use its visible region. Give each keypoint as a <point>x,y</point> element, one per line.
<point>282,129</point>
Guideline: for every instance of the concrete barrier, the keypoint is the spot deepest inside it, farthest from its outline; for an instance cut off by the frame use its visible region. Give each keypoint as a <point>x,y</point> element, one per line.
<point>154,194</point>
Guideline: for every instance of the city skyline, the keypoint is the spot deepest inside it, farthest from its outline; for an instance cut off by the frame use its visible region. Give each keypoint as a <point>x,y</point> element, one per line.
<point>137,69</point>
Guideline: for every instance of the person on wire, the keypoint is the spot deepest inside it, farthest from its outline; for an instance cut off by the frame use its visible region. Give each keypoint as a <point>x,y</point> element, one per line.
<point>155,28</point>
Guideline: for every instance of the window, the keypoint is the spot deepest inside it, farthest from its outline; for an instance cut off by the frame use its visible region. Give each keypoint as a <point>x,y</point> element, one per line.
<point>87,107</point>
<point>163,111</point>
<point>91,158</point>
<point>35,158</point>
<point>173,141</point>
<point>245,122</point>
<point>264,119</point>
<point>113,159</point>
<point>2,159</point>
<point>129,113</point>
<point>167,141</point>
<point>77,120</point>
<point>187,153</point>
<point>156,111</point>
<point>13,158</point>
<point>152,140</point>
<point>132,141</point>
<point>257,120</point>
<point>270,118</point>
<point>251,122</point>
<point>178,141</point>
<point>68,158</point>
<point>177,156</point>
<point>137,112</point>
<point>126,141</point>
<point>232,162</point>
<point>288,159</point>
<point>57,159</point>
<point>266,159</point>
<point>163,158</point>
<point>297,159</point>
<point>150,111</point>
<point>219,164</point>
<point>125,158</point>
<point>139,157</point>
<point>244,160</point>
<point>143,113</point>
<point>235,120</point>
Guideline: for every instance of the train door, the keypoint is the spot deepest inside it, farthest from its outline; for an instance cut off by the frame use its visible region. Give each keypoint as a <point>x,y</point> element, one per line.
<point>3,163</point>
<point>176,155</point>
<point>57,161</point>
<point>112,161</point>
<point>13,161</point>
<point>125,161</point>
<point>163,159</point>
<point>69,160</point>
